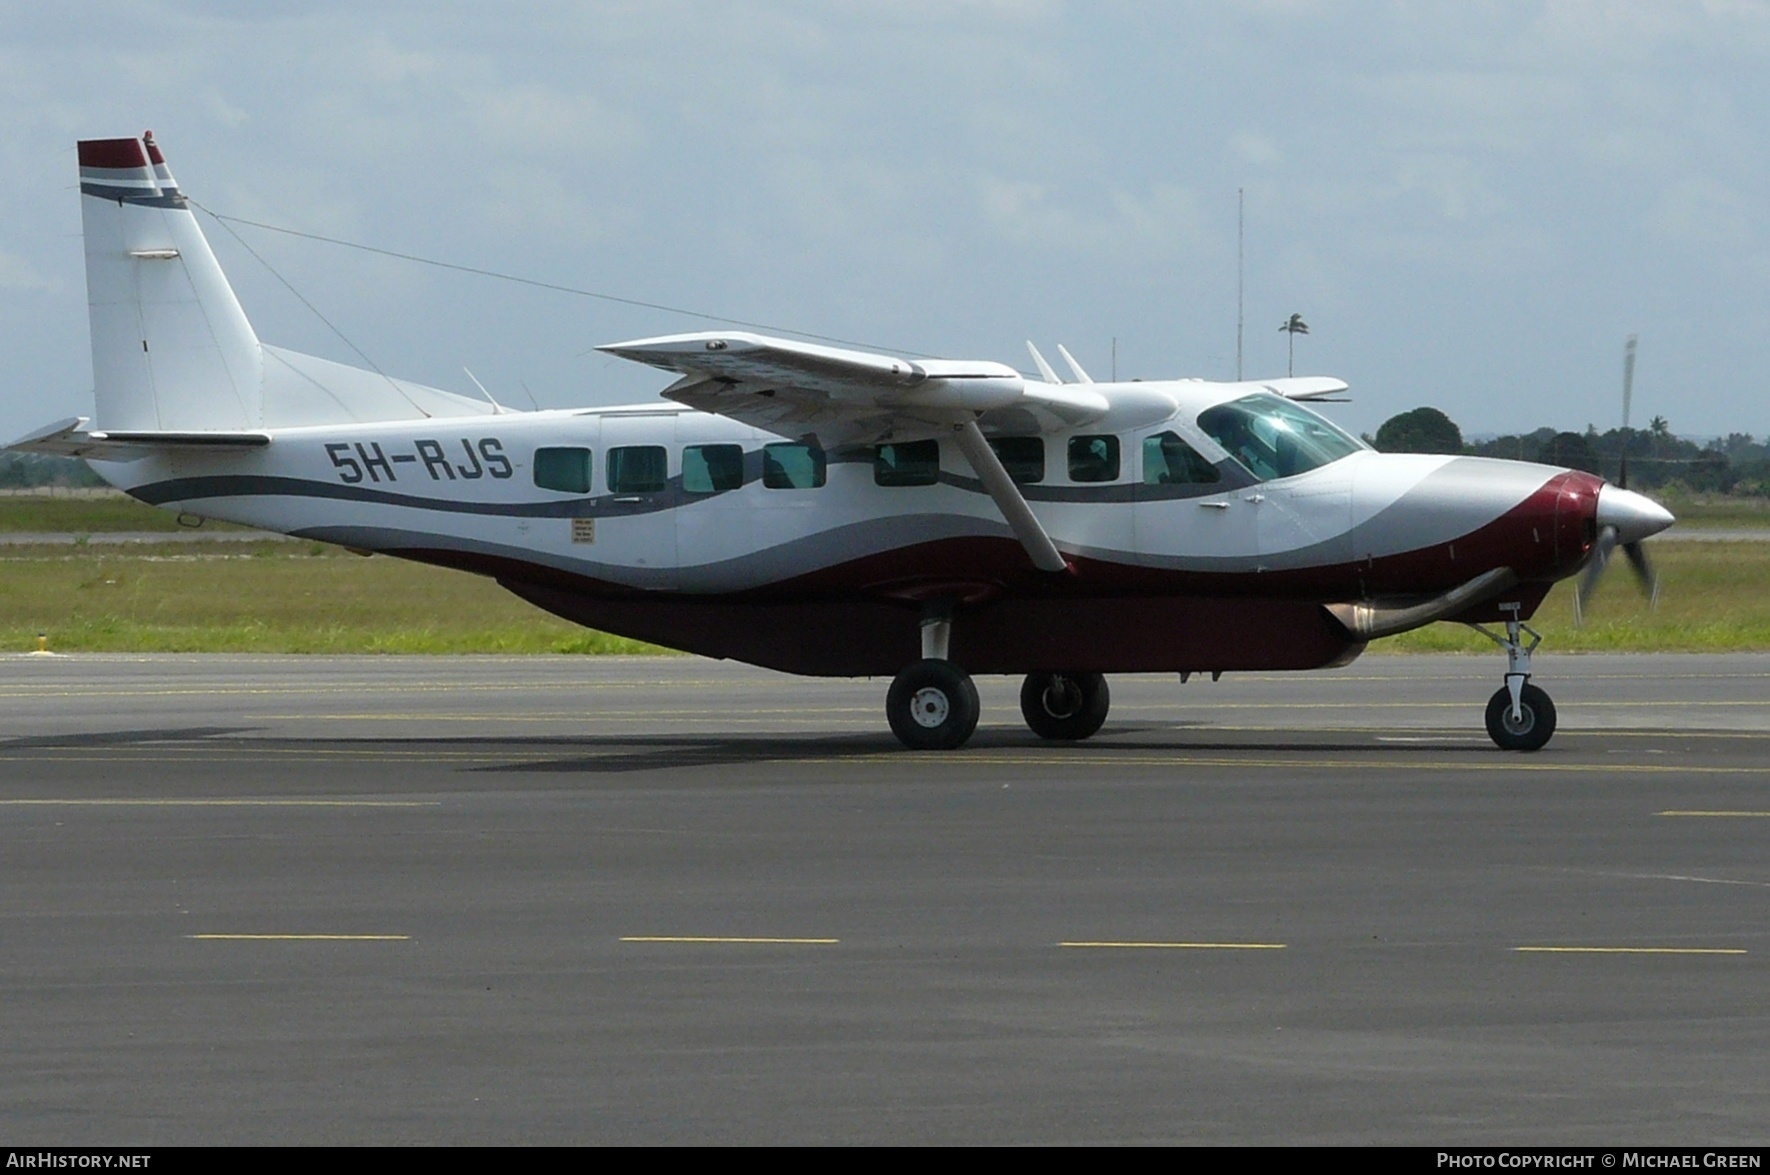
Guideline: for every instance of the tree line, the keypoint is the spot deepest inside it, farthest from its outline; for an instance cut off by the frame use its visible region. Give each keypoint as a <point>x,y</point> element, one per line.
<point>22,471</point>
<point>1738,463</point>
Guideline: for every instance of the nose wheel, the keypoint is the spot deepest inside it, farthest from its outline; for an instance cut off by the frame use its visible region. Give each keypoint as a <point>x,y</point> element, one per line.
<point>1526,728</point>
<point>1520,716</point>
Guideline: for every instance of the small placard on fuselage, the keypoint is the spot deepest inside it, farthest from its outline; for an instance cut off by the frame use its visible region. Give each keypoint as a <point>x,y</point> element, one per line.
<point>583,530</point>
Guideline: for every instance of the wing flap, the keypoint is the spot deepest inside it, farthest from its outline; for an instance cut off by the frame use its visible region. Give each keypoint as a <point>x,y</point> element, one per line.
<point>842,396</point>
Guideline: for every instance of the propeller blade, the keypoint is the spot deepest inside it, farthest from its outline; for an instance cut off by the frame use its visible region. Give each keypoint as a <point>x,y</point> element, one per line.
<point>1645,575</point>
<point>1588,582</point>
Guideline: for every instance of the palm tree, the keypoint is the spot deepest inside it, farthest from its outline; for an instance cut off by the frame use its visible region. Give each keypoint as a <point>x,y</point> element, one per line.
<point>1293,326</point>
<point>1661,430</point>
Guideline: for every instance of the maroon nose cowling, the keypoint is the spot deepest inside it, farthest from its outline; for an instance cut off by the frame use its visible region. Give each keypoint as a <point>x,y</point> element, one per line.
<point>1576,519</point>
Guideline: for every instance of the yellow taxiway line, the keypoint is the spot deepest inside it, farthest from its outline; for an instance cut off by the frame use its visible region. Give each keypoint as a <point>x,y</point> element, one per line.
<point>307,937</point>
<point>1183,946</point>
<point>1695,813</point>
<point>690,938</point>
<point>1632,950</point>
<point>221,803</point>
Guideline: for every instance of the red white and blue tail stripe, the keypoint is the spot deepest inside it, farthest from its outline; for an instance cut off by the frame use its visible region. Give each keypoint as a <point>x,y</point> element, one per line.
<point>129,171</point>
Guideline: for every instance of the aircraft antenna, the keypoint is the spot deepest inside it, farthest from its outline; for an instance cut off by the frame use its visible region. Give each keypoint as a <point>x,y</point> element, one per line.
<point>497,408</point>
<point>1073,365</point>
<point>315,310</point>
<point>223,219</point>
<point>1044,368</point>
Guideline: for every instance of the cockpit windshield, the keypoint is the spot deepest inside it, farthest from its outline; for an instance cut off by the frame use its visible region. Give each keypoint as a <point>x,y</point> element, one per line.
<point>1273,437</point>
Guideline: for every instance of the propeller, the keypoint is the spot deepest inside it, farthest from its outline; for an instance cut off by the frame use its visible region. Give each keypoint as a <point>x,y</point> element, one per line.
<point>1624,518</point>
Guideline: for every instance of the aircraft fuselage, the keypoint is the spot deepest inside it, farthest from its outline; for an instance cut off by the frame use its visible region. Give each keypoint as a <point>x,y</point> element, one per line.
<point>636,536</point>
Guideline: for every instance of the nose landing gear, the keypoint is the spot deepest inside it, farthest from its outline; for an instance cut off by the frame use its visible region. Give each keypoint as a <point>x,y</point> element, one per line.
<point>1520,717</point>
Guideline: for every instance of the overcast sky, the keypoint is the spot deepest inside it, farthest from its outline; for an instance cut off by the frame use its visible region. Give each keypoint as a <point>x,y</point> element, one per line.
<point>1471,204</point>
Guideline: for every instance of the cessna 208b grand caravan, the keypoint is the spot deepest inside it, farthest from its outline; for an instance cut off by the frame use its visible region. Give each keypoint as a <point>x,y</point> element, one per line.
<point>832,512</point>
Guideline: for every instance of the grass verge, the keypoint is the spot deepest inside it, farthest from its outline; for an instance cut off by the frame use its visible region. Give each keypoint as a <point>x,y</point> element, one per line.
<point>89,512</point>
<point>312,598</point>
<point>269,598</point>
<point>1713,599</point>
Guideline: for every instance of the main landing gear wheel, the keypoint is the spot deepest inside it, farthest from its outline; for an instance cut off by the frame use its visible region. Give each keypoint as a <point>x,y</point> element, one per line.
<point>1066,707</point>
<point>1531,730</point>
<point>932,706</point>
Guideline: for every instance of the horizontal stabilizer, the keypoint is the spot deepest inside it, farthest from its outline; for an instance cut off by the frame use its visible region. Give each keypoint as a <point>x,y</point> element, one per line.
<point>69,438</point>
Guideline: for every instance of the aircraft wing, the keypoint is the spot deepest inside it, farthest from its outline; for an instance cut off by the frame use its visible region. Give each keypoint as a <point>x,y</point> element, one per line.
<point>1320,388</point>
<point>847,397</point>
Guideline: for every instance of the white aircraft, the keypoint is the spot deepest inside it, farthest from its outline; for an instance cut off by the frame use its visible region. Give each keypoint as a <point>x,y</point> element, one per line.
<point>831,512</point>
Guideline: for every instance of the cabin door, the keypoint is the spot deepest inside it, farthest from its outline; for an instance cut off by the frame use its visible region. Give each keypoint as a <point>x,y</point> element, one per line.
<point>637,527</point>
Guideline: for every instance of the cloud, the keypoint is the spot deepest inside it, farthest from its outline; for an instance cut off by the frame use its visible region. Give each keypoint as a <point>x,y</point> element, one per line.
<point>1700,210</point>
<point>1107,222</point>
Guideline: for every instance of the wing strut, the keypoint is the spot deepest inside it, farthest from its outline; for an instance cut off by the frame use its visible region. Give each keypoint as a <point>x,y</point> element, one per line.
<point>1008,499</point>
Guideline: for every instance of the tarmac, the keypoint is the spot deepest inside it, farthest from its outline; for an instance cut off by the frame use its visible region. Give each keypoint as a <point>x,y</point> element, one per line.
<point>666,900</point>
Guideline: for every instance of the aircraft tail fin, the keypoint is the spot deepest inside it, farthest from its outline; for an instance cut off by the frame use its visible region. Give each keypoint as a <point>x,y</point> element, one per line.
<point>171,348</point>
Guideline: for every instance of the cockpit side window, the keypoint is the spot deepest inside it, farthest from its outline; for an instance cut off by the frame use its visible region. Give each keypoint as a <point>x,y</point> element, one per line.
<point>907,463</point>
<point>1273,437</point>
<point>1169,460</point>
<point>1022,457</point>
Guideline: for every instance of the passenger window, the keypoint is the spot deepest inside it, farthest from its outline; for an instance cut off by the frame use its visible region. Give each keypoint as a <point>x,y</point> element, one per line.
<point>637,469</point>
<point>565,470</point>
<point>907,463</point>
<point>712,469</point>
<point>792,467</point>
<point>1094,458</point>
<point>1022,457</point>
<point>1168,460</point>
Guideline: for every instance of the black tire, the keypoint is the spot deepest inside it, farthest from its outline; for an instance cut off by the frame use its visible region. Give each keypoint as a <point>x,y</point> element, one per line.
<point>1064,706</point>
<point>932,706</point>
<point>1537,724</point>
